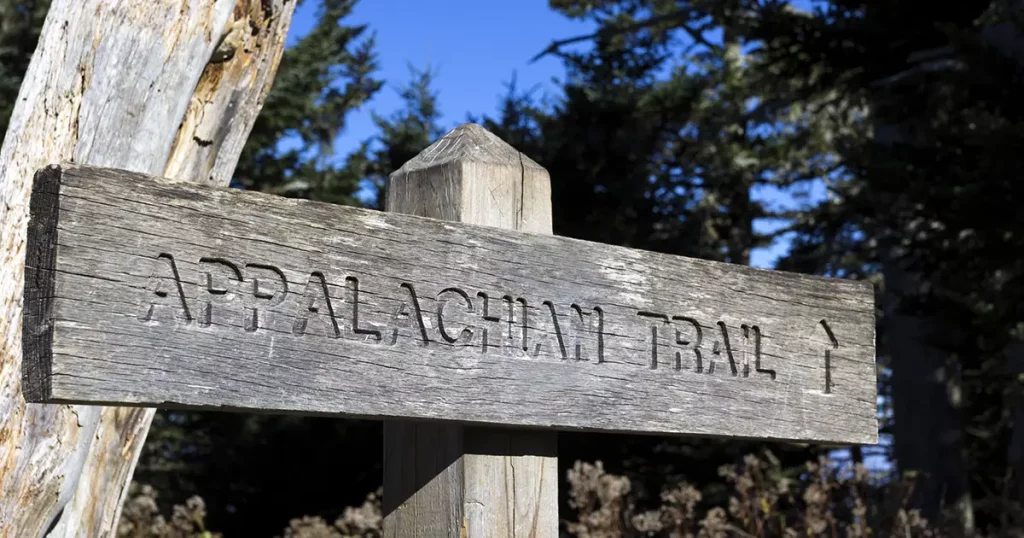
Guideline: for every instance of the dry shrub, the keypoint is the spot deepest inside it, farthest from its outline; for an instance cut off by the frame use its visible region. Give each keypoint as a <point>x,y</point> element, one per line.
<point>599,498</point>
<point>824,500</point>
<point>365,521</point>
<point>141,517</point>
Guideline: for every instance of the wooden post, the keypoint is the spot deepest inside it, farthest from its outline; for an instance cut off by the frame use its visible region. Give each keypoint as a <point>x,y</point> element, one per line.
<point>452,480</point>
<point>123,83</point>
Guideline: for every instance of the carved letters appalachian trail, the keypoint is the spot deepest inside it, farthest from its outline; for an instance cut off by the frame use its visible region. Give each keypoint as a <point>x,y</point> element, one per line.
<point>140,291</point>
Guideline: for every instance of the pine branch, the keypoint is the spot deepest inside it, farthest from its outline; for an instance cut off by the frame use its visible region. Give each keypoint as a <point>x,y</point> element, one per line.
<point>695,34</point>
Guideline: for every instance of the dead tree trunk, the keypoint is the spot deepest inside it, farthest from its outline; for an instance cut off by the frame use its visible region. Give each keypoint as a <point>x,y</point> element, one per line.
<point>151,86</point>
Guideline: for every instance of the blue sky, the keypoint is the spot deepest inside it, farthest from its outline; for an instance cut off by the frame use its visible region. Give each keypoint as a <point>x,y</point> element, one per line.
<point>475,47</point>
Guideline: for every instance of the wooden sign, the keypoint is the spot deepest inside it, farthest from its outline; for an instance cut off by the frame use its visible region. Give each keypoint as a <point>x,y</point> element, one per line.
<point>140,291</point>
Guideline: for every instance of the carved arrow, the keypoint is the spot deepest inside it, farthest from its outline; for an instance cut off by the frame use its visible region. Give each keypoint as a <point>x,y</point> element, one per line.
<point>832,345</point>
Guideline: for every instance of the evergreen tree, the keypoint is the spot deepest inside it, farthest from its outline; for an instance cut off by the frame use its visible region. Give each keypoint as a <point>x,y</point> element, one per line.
<point>323,77</point>
<point>660,142</point>
<point>21,21</point>
<point>921,196</point>
<point>926,201</point>
<point>599,142</point>
<point>403,134</point>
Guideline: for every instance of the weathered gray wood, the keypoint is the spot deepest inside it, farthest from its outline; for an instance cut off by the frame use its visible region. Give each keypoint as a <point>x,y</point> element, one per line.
<point>82,100</point>
<point>453,480</point>
<point>443,479</point>
<point>231,93</point>
<point>112,83</point>
<point>175,294</point>
<point>220,114</point>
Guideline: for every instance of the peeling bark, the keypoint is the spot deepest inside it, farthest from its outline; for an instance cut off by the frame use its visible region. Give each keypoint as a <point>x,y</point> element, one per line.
<point>110,84</point>
<point>231,93</point>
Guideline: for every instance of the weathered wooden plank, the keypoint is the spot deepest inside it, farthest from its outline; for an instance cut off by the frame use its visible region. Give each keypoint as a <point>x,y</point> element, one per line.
<point>444,479</point>
<point>174,294</point>
<point>209,140</point>
<point>108,84</point>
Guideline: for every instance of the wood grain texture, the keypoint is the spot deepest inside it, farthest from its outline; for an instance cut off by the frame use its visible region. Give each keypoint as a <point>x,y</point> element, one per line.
<point>83,100</point>
<point>231,93</point>
<point>220,114</point>
<point>469,481</point>
<point>443,479</point>
<point>186,295</point>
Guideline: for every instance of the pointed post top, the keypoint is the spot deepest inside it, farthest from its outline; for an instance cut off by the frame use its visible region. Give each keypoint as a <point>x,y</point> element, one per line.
<point>468,142</point>
<point>471,175</point>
